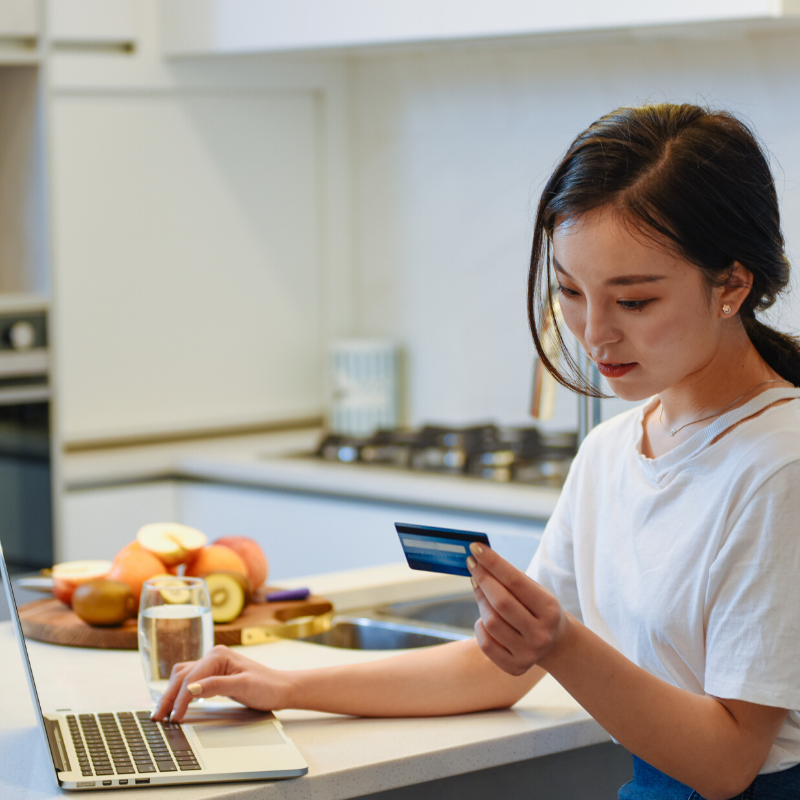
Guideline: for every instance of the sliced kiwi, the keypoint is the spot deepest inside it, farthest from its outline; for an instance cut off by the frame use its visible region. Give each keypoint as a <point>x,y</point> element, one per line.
<point>104,603</point>
<point>172,589</point>
<point>229,592</point>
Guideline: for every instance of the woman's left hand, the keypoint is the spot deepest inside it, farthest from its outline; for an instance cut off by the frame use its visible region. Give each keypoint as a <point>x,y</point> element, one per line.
<point>521,623</point>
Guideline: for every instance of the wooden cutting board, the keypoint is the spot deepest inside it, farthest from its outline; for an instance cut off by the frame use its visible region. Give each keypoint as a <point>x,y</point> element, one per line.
<point>49,620</point>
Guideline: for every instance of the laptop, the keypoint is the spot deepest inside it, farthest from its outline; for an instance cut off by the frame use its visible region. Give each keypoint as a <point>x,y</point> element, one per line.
<point>101,749</point>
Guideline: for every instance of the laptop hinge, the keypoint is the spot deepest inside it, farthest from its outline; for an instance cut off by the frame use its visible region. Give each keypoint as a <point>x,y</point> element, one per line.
<point>57,749</point>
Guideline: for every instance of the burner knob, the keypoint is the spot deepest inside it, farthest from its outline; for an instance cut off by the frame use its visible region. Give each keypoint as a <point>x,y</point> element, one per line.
<point>22,335</point>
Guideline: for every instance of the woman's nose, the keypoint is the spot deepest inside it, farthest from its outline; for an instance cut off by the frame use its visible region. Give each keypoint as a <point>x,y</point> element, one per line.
<point>598,329</point>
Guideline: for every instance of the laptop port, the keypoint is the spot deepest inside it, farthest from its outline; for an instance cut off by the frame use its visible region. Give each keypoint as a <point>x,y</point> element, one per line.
<point>106,783</point>
<point>123,782</point>
<point>142,780</point>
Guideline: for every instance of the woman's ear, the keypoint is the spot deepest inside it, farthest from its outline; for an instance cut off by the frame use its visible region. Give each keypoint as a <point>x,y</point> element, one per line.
<point>734,291</point>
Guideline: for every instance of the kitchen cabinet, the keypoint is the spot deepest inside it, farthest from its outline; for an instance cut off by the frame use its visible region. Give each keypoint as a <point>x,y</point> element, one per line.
<point>23,229</point>
<point>93,23</point>
<point>19,20</point>
<point>186,255</point>
<point>224,27</point>
<point>98,523</point>
<point>301,532</point>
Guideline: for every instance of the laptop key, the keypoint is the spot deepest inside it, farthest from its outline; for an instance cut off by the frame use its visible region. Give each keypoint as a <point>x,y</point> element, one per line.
<point>166,766</point>
<point>190,766</point>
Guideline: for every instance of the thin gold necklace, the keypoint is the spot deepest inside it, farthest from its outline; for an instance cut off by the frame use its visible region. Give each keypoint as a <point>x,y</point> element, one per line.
<point>673,431</point>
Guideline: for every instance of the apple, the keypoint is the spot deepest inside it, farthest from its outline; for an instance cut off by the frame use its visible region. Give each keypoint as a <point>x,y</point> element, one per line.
<point>68,575</point>
<point>253,556</point>
<point>171,542</point>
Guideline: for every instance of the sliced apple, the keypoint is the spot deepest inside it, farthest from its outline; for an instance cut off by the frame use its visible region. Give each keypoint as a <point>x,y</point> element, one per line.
<point>68,575</point>
<point>171,542</point>
<point>229,593</point>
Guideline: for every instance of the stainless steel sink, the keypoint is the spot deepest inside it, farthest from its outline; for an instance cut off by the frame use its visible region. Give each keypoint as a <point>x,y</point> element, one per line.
<point>363,633</point>
<point>459,611</point>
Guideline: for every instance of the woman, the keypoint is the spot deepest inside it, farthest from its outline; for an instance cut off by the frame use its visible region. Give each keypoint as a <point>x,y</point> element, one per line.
<point>665,595</point>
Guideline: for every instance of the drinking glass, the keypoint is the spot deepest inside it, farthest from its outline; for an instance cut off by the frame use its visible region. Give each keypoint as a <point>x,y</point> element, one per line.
<point>175,625</point>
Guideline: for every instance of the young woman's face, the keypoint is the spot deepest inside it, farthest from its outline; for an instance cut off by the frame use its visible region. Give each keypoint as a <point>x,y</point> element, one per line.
<point>643,314</point>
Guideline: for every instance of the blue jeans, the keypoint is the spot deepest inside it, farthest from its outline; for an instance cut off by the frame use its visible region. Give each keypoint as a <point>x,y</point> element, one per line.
<point>650,784</point>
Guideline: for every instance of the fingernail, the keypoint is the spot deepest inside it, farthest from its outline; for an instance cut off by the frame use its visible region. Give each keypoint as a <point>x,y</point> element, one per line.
<point>471,562</point>
<point>195,689</point>
<point>476,548</point>
<point>474,583</point>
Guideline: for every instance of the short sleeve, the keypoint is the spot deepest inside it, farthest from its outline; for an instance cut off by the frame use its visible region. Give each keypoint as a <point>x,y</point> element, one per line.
<point>553,564</point>
<point>753,599</point>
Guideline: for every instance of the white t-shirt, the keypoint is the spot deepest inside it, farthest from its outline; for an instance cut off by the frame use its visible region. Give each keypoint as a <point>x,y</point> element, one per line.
<point>689,564</point>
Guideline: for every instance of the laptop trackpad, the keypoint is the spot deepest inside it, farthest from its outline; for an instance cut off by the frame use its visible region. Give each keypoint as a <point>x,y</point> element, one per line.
<point>249,734</point>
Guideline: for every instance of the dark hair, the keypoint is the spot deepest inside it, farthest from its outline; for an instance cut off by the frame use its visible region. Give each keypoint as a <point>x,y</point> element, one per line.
<point>686,176</point>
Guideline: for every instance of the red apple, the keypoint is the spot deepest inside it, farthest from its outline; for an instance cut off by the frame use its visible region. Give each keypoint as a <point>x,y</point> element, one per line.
<point>68,575</point>
<point>252,555</point>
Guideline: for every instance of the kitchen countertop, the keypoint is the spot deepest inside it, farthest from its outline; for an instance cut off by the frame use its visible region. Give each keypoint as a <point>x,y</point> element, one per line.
<point>270,460</point>
<point>347,757</point>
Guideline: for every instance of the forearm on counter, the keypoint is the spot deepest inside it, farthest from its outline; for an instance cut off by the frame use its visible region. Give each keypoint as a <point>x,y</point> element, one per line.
<point>454,678</point>
<point>711,745</point>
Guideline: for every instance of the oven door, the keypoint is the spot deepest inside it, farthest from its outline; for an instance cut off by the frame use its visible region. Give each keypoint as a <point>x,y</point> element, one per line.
<point>26,516</point>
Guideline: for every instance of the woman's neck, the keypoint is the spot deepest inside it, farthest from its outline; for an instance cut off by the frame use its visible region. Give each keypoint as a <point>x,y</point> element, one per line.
<point>686,408</point>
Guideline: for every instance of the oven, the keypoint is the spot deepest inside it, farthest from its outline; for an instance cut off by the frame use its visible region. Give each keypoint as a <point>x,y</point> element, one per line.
<point>26,511</point>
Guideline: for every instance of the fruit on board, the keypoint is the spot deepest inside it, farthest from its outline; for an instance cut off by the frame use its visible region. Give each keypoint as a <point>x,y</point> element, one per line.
<point>172,589</point>
<point>253,556</point>
<point>171,542</point>
<point>68,575</point>
<point>229,593</point>
<point>134,565</point>
<point>215,558</point>
<point>103,602</point>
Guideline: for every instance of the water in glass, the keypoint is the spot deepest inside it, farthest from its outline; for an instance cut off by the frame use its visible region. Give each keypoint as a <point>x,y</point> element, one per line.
<point>175,625</point>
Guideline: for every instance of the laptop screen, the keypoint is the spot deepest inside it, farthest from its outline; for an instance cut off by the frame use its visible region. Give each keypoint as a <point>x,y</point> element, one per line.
<point>12,607</point>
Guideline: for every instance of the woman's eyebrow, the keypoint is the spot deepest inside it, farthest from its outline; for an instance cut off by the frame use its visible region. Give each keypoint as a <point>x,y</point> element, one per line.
<point>622,280</point>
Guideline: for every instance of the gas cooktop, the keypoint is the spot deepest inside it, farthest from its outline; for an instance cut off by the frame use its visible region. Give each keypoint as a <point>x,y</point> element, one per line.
<point>490,452</point>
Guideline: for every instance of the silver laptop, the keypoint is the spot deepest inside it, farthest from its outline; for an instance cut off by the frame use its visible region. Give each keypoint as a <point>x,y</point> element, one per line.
<point>94,749</point>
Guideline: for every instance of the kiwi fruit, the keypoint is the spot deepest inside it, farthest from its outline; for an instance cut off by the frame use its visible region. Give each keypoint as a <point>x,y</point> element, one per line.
<point>104,603</point>
<point>229,593</point>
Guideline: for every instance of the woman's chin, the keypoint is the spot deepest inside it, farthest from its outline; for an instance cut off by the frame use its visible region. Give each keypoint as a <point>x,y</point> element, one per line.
<point>632,394</point>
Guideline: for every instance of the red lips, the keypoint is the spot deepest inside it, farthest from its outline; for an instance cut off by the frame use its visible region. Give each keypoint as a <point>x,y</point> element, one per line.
<point>615,370</point>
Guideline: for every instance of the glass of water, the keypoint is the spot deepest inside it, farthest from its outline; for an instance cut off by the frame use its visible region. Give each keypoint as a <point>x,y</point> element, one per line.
<point>175,625</point>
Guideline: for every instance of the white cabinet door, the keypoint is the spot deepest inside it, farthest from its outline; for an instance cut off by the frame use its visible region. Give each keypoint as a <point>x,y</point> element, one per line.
<point>186,260</point>
<point>19,19</point>
<point>192,27</point>
<point>84,22</point>
<point>98,523</point>
<point>306,534</point>
<point>301,534</point>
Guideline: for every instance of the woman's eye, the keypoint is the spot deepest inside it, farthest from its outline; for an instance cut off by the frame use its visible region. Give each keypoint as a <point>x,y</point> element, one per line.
<point>633,305</point>
<point>565,292</point>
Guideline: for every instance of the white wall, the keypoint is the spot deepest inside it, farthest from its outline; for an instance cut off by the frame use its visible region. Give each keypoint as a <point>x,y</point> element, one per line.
<point>450,150</point>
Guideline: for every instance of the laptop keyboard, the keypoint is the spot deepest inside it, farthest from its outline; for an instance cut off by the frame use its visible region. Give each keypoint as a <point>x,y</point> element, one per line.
<point>126,744</point>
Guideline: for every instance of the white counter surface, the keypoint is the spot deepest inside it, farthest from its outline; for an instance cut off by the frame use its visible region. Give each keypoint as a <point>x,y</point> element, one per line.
<point>347,757</point>
<point>270,460</point>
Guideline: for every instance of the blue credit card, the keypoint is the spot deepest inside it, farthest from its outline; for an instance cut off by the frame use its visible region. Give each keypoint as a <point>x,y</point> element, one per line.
<point>437,549</point>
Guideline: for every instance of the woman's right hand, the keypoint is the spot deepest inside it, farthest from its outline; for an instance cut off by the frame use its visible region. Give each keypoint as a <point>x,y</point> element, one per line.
<point>222,672</point>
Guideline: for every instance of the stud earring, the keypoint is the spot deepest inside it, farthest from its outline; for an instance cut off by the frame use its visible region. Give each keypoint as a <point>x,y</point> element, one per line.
<point>726,309</point>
